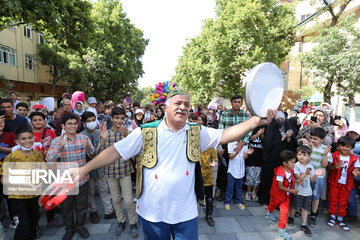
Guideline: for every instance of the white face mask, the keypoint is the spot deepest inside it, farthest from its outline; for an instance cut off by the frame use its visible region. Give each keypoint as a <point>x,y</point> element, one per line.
<point>91,125</point>
<point>128,114</point>
<point>25,148</point>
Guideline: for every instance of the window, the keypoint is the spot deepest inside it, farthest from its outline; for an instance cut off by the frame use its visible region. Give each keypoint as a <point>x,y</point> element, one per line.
<point>29,62</point>
<point>303,17</point>
<point>41,38</point>
<point>7,55</point>
<point>28,31</point>
<point>11,26</point>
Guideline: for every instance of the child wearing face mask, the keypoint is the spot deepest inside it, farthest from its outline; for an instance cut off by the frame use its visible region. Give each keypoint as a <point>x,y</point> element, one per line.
<point>98,175</point>
<point>24,208</point>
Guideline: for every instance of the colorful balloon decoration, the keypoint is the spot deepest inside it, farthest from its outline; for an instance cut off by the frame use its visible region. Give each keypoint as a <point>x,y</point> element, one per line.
<point>159,93</point>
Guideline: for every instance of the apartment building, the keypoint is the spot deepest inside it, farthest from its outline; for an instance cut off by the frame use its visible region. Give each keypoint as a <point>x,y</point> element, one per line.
<point>18,64</point>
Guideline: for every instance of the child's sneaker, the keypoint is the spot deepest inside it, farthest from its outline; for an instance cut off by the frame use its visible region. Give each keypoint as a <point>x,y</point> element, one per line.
<point>247,196</point>
<point>270,216</point>
<point>227,206</point>
<point>291,221</point>
<point>284,234</point>
<point>240,205</point>
<point>313,222</point>
<point>254,197</point>
<point>343,226</point>
<point>306,230</point>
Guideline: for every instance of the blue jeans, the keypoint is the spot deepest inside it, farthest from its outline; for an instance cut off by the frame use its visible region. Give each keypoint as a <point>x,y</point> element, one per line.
<point>162,231</point>
<point>317,188</point>
<point>352,205</point>
<point>230,189</point>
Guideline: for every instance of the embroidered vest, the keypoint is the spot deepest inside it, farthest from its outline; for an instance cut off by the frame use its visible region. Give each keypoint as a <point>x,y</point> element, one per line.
<point>148,157</point>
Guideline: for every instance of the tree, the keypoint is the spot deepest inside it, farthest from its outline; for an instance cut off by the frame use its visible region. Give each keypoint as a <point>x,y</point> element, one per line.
<point>243,34</point>
<point>65,65</point>
<point>68,21</point>
<point>142,95</point>
<point>335,60</point>
<point>114,56</point>
<point>6,87</point>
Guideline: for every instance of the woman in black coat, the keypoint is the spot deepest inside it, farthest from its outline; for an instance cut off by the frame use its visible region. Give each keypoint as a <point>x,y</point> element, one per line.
<point>278,137</point>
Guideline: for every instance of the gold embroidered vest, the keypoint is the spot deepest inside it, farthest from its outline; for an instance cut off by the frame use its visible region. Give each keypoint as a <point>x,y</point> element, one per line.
<point>148,157</point>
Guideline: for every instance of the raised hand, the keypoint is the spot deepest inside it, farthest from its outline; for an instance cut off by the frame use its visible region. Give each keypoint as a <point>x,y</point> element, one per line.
<point>213,164</point>
<point>270,115</point>
<point>250,151</point>
<point>103,131</point>
<point>63,140</point>
<point>124,131</point>
<point>87,144</point>
<point>356,172</point>
<point>308,171</point>
<point>338,165</point>
<point>320,172</point>
<point>327,150</point>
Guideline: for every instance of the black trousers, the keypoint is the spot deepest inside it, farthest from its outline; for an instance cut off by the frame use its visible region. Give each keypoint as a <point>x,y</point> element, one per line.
<point>80,203</point>
<point>26,215</point>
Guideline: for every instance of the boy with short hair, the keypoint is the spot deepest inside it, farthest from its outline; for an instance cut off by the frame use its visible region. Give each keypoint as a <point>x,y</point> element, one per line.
<point>98,175</point>
<point>24,209</point>
<point>342,168</point>
<point>192,118</point>
<point>282,187</point>
<point>304,174</point>
<point>22,109</point>
<point>119,174</point>
<point>319,160</point>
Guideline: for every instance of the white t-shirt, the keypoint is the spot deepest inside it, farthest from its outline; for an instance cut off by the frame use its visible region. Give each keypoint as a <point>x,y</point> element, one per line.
<point>344,171</point>
<point>281,179</point>
<point>237,164</point>
<point>171,197</point>
<point>316,158</point>
<point>304,188</point>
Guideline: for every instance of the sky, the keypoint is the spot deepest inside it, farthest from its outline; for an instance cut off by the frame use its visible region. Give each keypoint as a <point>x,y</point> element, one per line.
<point>167,24</point>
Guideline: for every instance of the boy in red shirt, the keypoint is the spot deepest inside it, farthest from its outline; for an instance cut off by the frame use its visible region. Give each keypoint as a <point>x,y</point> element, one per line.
<point>282,187</point>
<point>342,168</point>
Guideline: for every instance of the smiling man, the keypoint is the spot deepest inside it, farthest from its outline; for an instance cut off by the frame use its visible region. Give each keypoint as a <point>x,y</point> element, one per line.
<point>168,169</point>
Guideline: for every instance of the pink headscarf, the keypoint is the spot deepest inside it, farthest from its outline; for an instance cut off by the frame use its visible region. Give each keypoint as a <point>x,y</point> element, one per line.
<point>77,96</point>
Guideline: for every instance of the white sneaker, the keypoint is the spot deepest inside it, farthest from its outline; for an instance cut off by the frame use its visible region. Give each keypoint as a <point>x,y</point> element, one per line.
<point>247,196</point>
<point>254,197</point>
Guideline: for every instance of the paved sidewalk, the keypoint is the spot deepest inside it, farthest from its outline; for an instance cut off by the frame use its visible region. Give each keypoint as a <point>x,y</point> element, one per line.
<point>235,224</point>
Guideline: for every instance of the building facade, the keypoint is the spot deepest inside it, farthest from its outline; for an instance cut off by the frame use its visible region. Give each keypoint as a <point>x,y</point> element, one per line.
<point>19,66</point>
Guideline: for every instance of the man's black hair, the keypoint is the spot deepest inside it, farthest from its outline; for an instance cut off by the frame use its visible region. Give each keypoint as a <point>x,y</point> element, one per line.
<point>286,156</point>
<point>117,111</point>
<point>236,96</point>
<point>346,140</point>
<point>318,132</point>
<point>23,129</point>
<point>87,115</point>
<point>304,149</point>
<point>22,104</point>
<point>33,114</point>
<point>68,117</point>
<point>6,100</point>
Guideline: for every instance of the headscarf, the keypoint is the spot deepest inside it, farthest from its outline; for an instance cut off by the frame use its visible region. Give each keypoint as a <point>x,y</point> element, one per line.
<point>329,129</point>
<point>76,97</point>
<point>294,125</point>
<point>82,108</point>
<point>340,132</point>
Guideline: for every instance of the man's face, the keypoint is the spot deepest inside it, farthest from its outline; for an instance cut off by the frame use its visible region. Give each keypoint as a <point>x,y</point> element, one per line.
<point>22,111</point>
<point>100,109</point>
<point>13,96</point>
<point>38,122</point>
<point>236,104</point>
<point>70,126</point>
<point>8,107</point>
<point>178,110</point>
<point>67,105</point>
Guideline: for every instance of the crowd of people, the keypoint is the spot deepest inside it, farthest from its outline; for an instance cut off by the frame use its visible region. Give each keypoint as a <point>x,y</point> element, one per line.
<point>304,161</point>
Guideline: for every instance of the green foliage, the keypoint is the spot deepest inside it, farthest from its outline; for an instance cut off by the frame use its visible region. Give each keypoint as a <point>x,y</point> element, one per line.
<point>335,60</point>
<point>113,57</point>
<point>68,21</point>
<point>305,92</point>
<point>6,87</point>
<point>243,34</point>
<point>142,95</point>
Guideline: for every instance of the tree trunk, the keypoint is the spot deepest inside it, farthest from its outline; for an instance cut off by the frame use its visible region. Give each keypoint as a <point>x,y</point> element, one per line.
<point>53,85</point>
<point>327,92</point>
<point>352,108</point>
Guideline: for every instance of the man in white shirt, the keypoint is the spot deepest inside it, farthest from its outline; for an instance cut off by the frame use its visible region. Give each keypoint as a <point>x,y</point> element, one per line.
<point>168,205</point>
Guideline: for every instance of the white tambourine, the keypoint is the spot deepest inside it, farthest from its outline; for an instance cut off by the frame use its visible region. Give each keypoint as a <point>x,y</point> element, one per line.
<point>264,88</point>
